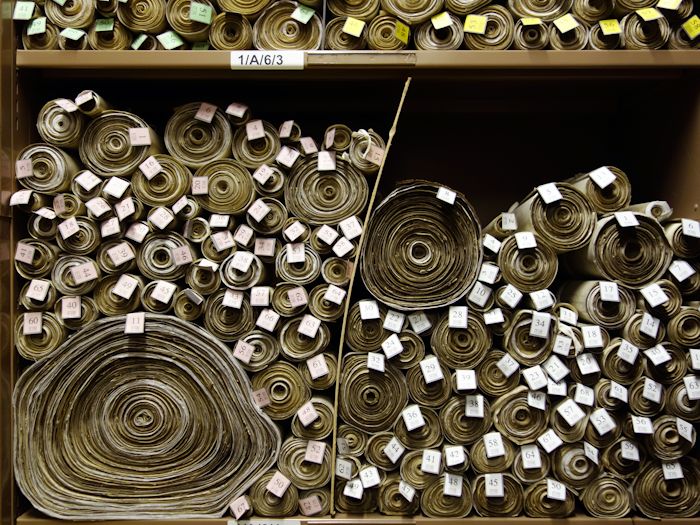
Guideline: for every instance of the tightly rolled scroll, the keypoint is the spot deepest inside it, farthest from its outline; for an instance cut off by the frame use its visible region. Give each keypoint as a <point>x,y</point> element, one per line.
<point>231,32</point>
<point>166,187</point>
<point>499,30</point>
<point>265,503</point>
<point>530,475</point>
<point>338,40</point>
<point>414,12</point>
<point>515,418</point>
<point>426,259</point>
<point>591,11</point>
<point>585,296</point>
<point>511,504</point>
<point>547,10</point>
<point>659,498</point>
<point>426,37</point>
<point>682,245</point>
<point>276,29</point>
<point>492,380</point>
<point>434,394</point>
<point>461,347</point>
<point>460,429</point>
<point>525,349</point>
<point>573,40</point>
<point>143,16</point>
<point>613,197</point>
<point>303,474</point>
<point>365,335</point>
<point>52,169</point>
<point>78,14</point>
<point>392,502</point>
<point>118,39</point>
<point>641,34</point>
<point>228,324</point>
<point>529,269</point>
<point>599,41</point>
<point>194,142</point>
<point>45,41</point>
<point>114,369</point>
<point>538,505</point>
<point>607,497</point>
<point>286,389</point>
<point>58,127</point>
<point>42,344</point>
<point>365,10</point>
<point>435,504</point>
<point>381,34</point>
<point>531,37</point>
<point>634,256</point>
<point>299,347</point>
<point>482,464</point>
<point>571,466</point>
<point>374,451</point>
<point>427,436</point>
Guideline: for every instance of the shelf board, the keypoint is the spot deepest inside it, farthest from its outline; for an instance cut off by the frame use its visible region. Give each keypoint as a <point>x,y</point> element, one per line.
<point>372,60</point>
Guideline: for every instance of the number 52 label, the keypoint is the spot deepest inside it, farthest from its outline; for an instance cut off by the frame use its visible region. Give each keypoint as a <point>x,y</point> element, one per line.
<point>267,60</point>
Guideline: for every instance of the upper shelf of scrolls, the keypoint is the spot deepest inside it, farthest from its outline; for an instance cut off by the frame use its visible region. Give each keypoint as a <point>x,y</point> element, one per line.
<point>369,61</point>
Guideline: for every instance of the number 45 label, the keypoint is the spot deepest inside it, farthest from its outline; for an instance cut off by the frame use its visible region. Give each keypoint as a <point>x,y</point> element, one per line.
<point>267,60</point>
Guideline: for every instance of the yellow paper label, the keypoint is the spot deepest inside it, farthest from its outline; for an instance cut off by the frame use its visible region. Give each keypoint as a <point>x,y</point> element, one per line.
<point>475,24</point>
<point>531,21</point>
<point>402,32</point>
<point>649,13</point>
<point>353,26</point>
<point>692,27</point>
<point>671,5</point>
<point>610,27</point>
<point>566,23</point>
<point>441,21</point>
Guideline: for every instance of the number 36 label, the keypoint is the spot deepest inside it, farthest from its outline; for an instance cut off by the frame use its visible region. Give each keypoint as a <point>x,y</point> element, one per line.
<point>267,60</point>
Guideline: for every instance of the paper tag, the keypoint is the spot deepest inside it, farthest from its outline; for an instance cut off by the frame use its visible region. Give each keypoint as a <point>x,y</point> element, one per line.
<point>394,321</point>
<point>370,477</point>
<point>550,441</point>
<point>32,323</point>
<point>474,406</point>
<point>193,296</point>
<point>302,14</point>
<point>342,445</point>
<point>694,353</point>
<point>542,299</point>
<point>402,32</point>
<point>307,414</point>
<point>430,368</point>
<point>329,138</point>
<point>71,307</point>
<point>326,161</point>
<point>537,399</point>
<point>494,445</point>
<point>308,145</point>
<point>83,273</point>
<point>267,320</point>
<point>295,231</point>
<point>375,154</point>
<point>571,412</point>
<point>457,317</point>
<point>692,29</point>
<point>602,422</point>
<point>556,490</point>
<point>258,210</point>
<point>565,24</point>
<point>412,417</point>
<point>351,228</point>
<point>629,450</point>
<point>584,395</point>
<point>495,316</point>
<point>650,325</point>
<point>602,176</point>
<point>530,456</point>
<point>587,364</point>
<point>135,323</point>
<point>618,391</point>
<point>309,326</point>
<point>466,379</point>
<point>72,33</point>
<point>531,21</point>
<point>491,243</point>
<point>242,261</point>
<point>109,227</point>
<point>535,377</point>
<point>627,352</point>
<point>649,14</point>
<point>592,336</point>
<point>261,398</point>
<point>353,26</point>
<point>334,294</point>
<point>369,310</point>
<point>654,295</point>
<point>23,169</point>
<point>22,197</point>
<point>343,469</point>
<point>568,316</point>
<point>609,291</point>
<point>182,255</point>
<point>555,368</point>
<point>38,289</point>
<point>454,455</point>
<point>419,322</point>
<point>297,297</point>
<point>690,227</point>
<point>507,365</point>
<point>239,507</point>
<point>287,156</point>
<point>200,185</point>
<point>432,461</point>
<point>394,450</point>
<point>219,221</point>
<point>236,109</point>
<point>138,41</point>
<point>180,204</point>
<point>314,452</point>
<point>392,346</point>
<point>479,294</point>
<point>353,489</point>
<point>318,367</point>
<point>263,174</point>
<point>327,234</point>
<point>658,355</point>
<point>260,296</point>
<point>681,270</point>
<point>342,247</point>
<point>278,485</point>
<point>525,240</point>
<point>494,483</point>
<point>161,218</point>
<point>254,130</point>
<point>36,26</point>
<point>98,206</point>
<point>672,470</point>
<point>652,390</point>
<point>139,137</point>
<point>488,273</point>
<point>121,253</point>
<point>642,425</point>
<point>591,452</point>
<point>296,253</point>
<point>549,192</point>
<point>125,287</point>
<point>442,20</point>
<point>685,430</point>
<point>452,485</point>
<point>25,253</point>
<point>539,327</point>
<point>163,291</point>
<point>243,351</point>
<point>692,387</point>
<point>626,219</point>
<point>511,296</point>
<point>223,241</point>
<point>375,361</point>
<point>125,208</point>
<point>556,389</point>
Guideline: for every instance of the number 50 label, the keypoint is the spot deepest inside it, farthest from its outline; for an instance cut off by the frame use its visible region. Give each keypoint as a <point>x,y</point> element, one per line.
<point>267,60</point>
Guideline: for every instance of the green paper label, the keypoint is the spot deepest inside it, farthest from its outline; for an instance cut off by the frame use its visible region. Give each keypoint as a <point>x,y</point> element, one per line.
<point>303,14</point>
<point>37,26</point>
<point>138,41</point>
<point>104,24</point>
<point>60,2</point>
<point>200,13</point>
<point>170,40</point>
<point>72,34</point>
<point>23,11</point>
<point>200,46</point>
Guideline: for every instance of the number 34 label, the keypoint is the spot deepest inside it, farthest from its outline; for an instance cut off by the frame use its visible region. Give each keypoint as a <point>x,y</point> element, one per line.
<point>267,60</point>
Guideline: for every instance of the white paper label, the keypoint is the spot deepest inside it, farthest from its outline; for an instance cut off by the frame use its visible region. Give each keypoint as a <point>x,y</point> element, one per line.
<point>334,294</point>
<point>351,228</point>
<point>618,391</point>
<point>236,109</point>
<point>494,445</point>
<point>681,270</point>
<point>488,273</point>
<point>267,320</point>
<point>233,299</point>
<point>295,231</point>
<point>150,167</point>
<point>258,210</point>
<point>121,253</point>
<point>297,297</point>
<point>432,461</point>
<point>584,395</point>
<point>392,346</point>
<point>511,296</point>
<point>343,469</point>
<point>296,253</point>
<point>260,296</point>
<point>530,456</point>
<point>431,369</point>
<point>539,327</point>
<point>25,253</point>
<point>474,406</point>
<point>137,232</point>
<point>556,490</point>
<point>308,145</point>
<point>135,323</point>
<point>568,316</point>
<point>446,195</point>
<point>287,156</point>
<point>38,289</point>
<point>370,477</point>
<point>163,291</point>
<point>307,414</point>
<point>375,361</point>
<point>239,507</point>
<point>609,291</point>
<point>642,425</point>
<point>509,222</point>
<point>266,247</point>
<point>83,273</point>
<point>223,241</point>
<point>394,321</point>
<point>592,336</point>
<point>327,234</point>
<point>654,295</point>
<point>125,208</point>
<point>261,398</point>
<point>342,247</point>
<point>326,161</point>
<point>278,485</point>
<point>466,379</point>
<point>627,352</point>
<point>32,323</point>
<point>591,452</point>
<point>369,309</point>
<point>116,187</point>
<point>71,307</point>
<point>587,364</point>
<point>318,367</point>
<point>571,412</point>
<point>629,450</point>
<point>694,355</point>
<point>68,227</point>
<point>494,485</point>
<point>458,317</point>
<point>535,377</point>
<point>479,294</point>
<point>507,365</point>
<point>242,261</point>
<point>672,470</point>
<point>182,255</point>
<point>602,421</point>
<point>22,197</point>
<point>454,455</point>
<point>200,185</point>
<point>243,351</point>
<point>412,417</point>
<point>549,193</point>
<point>139,137</point>
<point>550,441</point>
<point>161,218</point>
<point>88,180</point>
<point>525,240</point>
<point>602,176</point>
<point>555,368</point>
<point>626,219</point>
<point>650,325</point>
<point>46,213</point>
<point>309,326</point>
<point>180,204</point>
<point>556,389</point>
<point>407,491</point>
<point>495,316</point>
<point>491,243</point>
<point>692,387</point>
<point>685,430</point>
<point>690,228</point>
<point>218,221</point>
<point>394,450</point>
<point>452,485</point>
<point>537,399</point>
<point>658,355</point>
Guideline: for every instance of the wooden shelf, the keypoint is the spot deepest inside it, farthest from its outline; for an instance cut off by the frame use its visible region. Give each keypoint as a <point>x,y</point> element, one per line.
<point>341,60</point>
